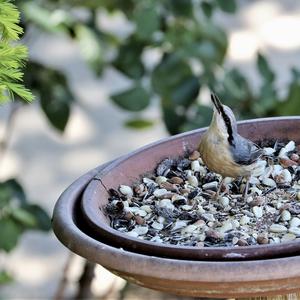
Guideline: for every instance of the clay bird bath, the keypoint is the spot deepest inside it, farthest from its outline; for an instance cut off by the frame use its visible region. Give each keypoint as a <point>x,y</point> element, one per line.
<point>83,228</point>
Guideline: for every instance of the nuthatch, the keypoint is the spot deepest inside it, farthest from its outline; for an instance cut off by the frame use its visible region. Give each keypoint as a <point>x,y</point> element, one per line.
<point>223,150</point>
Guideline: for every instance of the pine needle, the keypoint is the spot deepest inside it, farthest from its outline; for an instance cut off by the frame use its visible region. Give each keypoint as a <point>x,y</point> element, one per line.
<point>12,55</point>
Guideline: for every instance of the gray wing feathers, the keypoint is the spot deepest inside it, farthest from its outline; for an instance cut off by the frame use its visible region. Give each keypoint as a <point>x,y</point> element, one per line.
<point>245,152</point>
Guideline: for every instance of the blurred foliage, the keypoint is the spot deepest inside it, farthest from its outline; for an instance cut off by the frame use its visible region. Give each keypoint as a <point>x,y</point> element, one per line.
<point>192,49</point>
<point>12,56</point>
<point>16,214</point>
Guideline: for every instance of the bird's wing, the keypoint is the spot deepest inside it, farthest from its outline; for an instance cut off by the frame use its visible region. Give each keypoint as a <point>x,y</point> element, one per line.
<point>244,151</point>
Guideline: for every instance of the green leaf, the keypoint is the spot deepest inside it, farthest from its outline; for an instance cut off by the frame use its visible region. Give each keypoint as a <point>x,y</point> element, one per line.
<point>56,104</point>
<point>201,118</point>
<point>264,68</point>
<point>134,99</point>
<point>228,6</point>
<point>16,189</point>
<point>181,7</point>
<point>90,47</point>
<point>24,217</point>
<point>5,277</point>
<point>139,124</point>
<point>10,232</point>
<point>42,219</point>
<point>186,92</point>
<point>128,60</point>
<point>207,8</point>
<point>147,22</point>
<point>173,118</point>
<point>290,107</point>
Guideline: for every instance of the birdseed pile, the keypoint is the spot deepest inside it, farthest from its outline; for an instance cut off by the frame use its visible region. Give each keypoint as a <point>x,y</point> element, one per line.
<point>177,204</point>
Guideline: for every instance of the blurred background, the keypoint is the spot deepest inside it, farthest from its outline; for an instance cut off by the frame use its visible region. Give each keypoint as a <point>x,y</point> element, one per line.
<point>110,76</point>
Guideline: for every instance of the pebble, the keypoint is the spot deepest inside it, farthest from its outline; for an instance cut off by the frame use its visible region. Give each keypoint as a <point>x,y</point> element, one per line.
<point>187,207</point>
<point>298,196</point>
<point>161,219</point>
<point>146,208</point>
<point>295,222</point>
<point>213,234</point>
<point>295,230</point>
<point>169,186</point>
<point>277,228</point>
<point>193,181</point>
<point>126,190</point>
<point>286,215</point>
<point>189,229</point>
<point>258,212</point>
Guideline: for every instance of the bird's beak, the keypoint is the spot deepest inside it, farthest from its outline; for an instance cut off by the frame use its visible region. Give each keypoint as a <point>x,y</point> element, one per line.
<point>217,103</point>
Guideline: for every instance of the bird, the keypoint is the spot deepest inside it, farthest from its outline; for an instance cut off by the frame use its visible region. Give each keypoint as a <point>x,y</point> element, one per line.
<point>224,151</point>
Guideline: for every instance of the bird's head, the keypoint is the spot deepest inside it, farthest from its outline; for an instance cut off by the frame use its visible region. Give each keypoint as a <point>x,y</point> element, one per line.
<point>223,119</point>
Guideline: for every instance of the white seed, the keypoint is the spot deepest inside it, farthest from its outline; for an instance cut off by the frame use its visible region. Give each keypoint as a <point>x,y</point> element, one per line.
<point>200,209</point>
<point>141,213</point>
<point>295,222</point>
<point>146,208</point>
<point>288,237</point>
<point>244,220</point>
<point>187,207</point>
<point>160,192</point>
<point>235,223</point>
<point>254,180</point>
<point>149,181</point>
<point>132,233</point>
<point>270,209</point>
<point>195,166</point>
<point>285,215</point>
<point>275,240</point>
<point>287,148</point>
<point>160,179</point>
<point>269,151</point>
<point>259,168</point>
<point>277,228</point>
<point>255,190</point>
<point>224,201</point>
<point>298,195</point>
<point>295,230</point>
<point>285,176</point>
<point>157,225</point>
<point>268,182</point>
<point>166,203</point>
<point>235,240</point>
<point>140,230</point>
<point>276,170</point>
<point>208,217</point>
<point>258,212</point>
<point>126,190</point>
<point>179,224</point>
<point>189,229</point>
<point>226,227</point>
<point>193,181</point>
<point>125,203</point>
<point>210,185</point>
<point>202,171</point>
<point>156,239</point>
<point>133,209</point>
<point>161,219</point>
